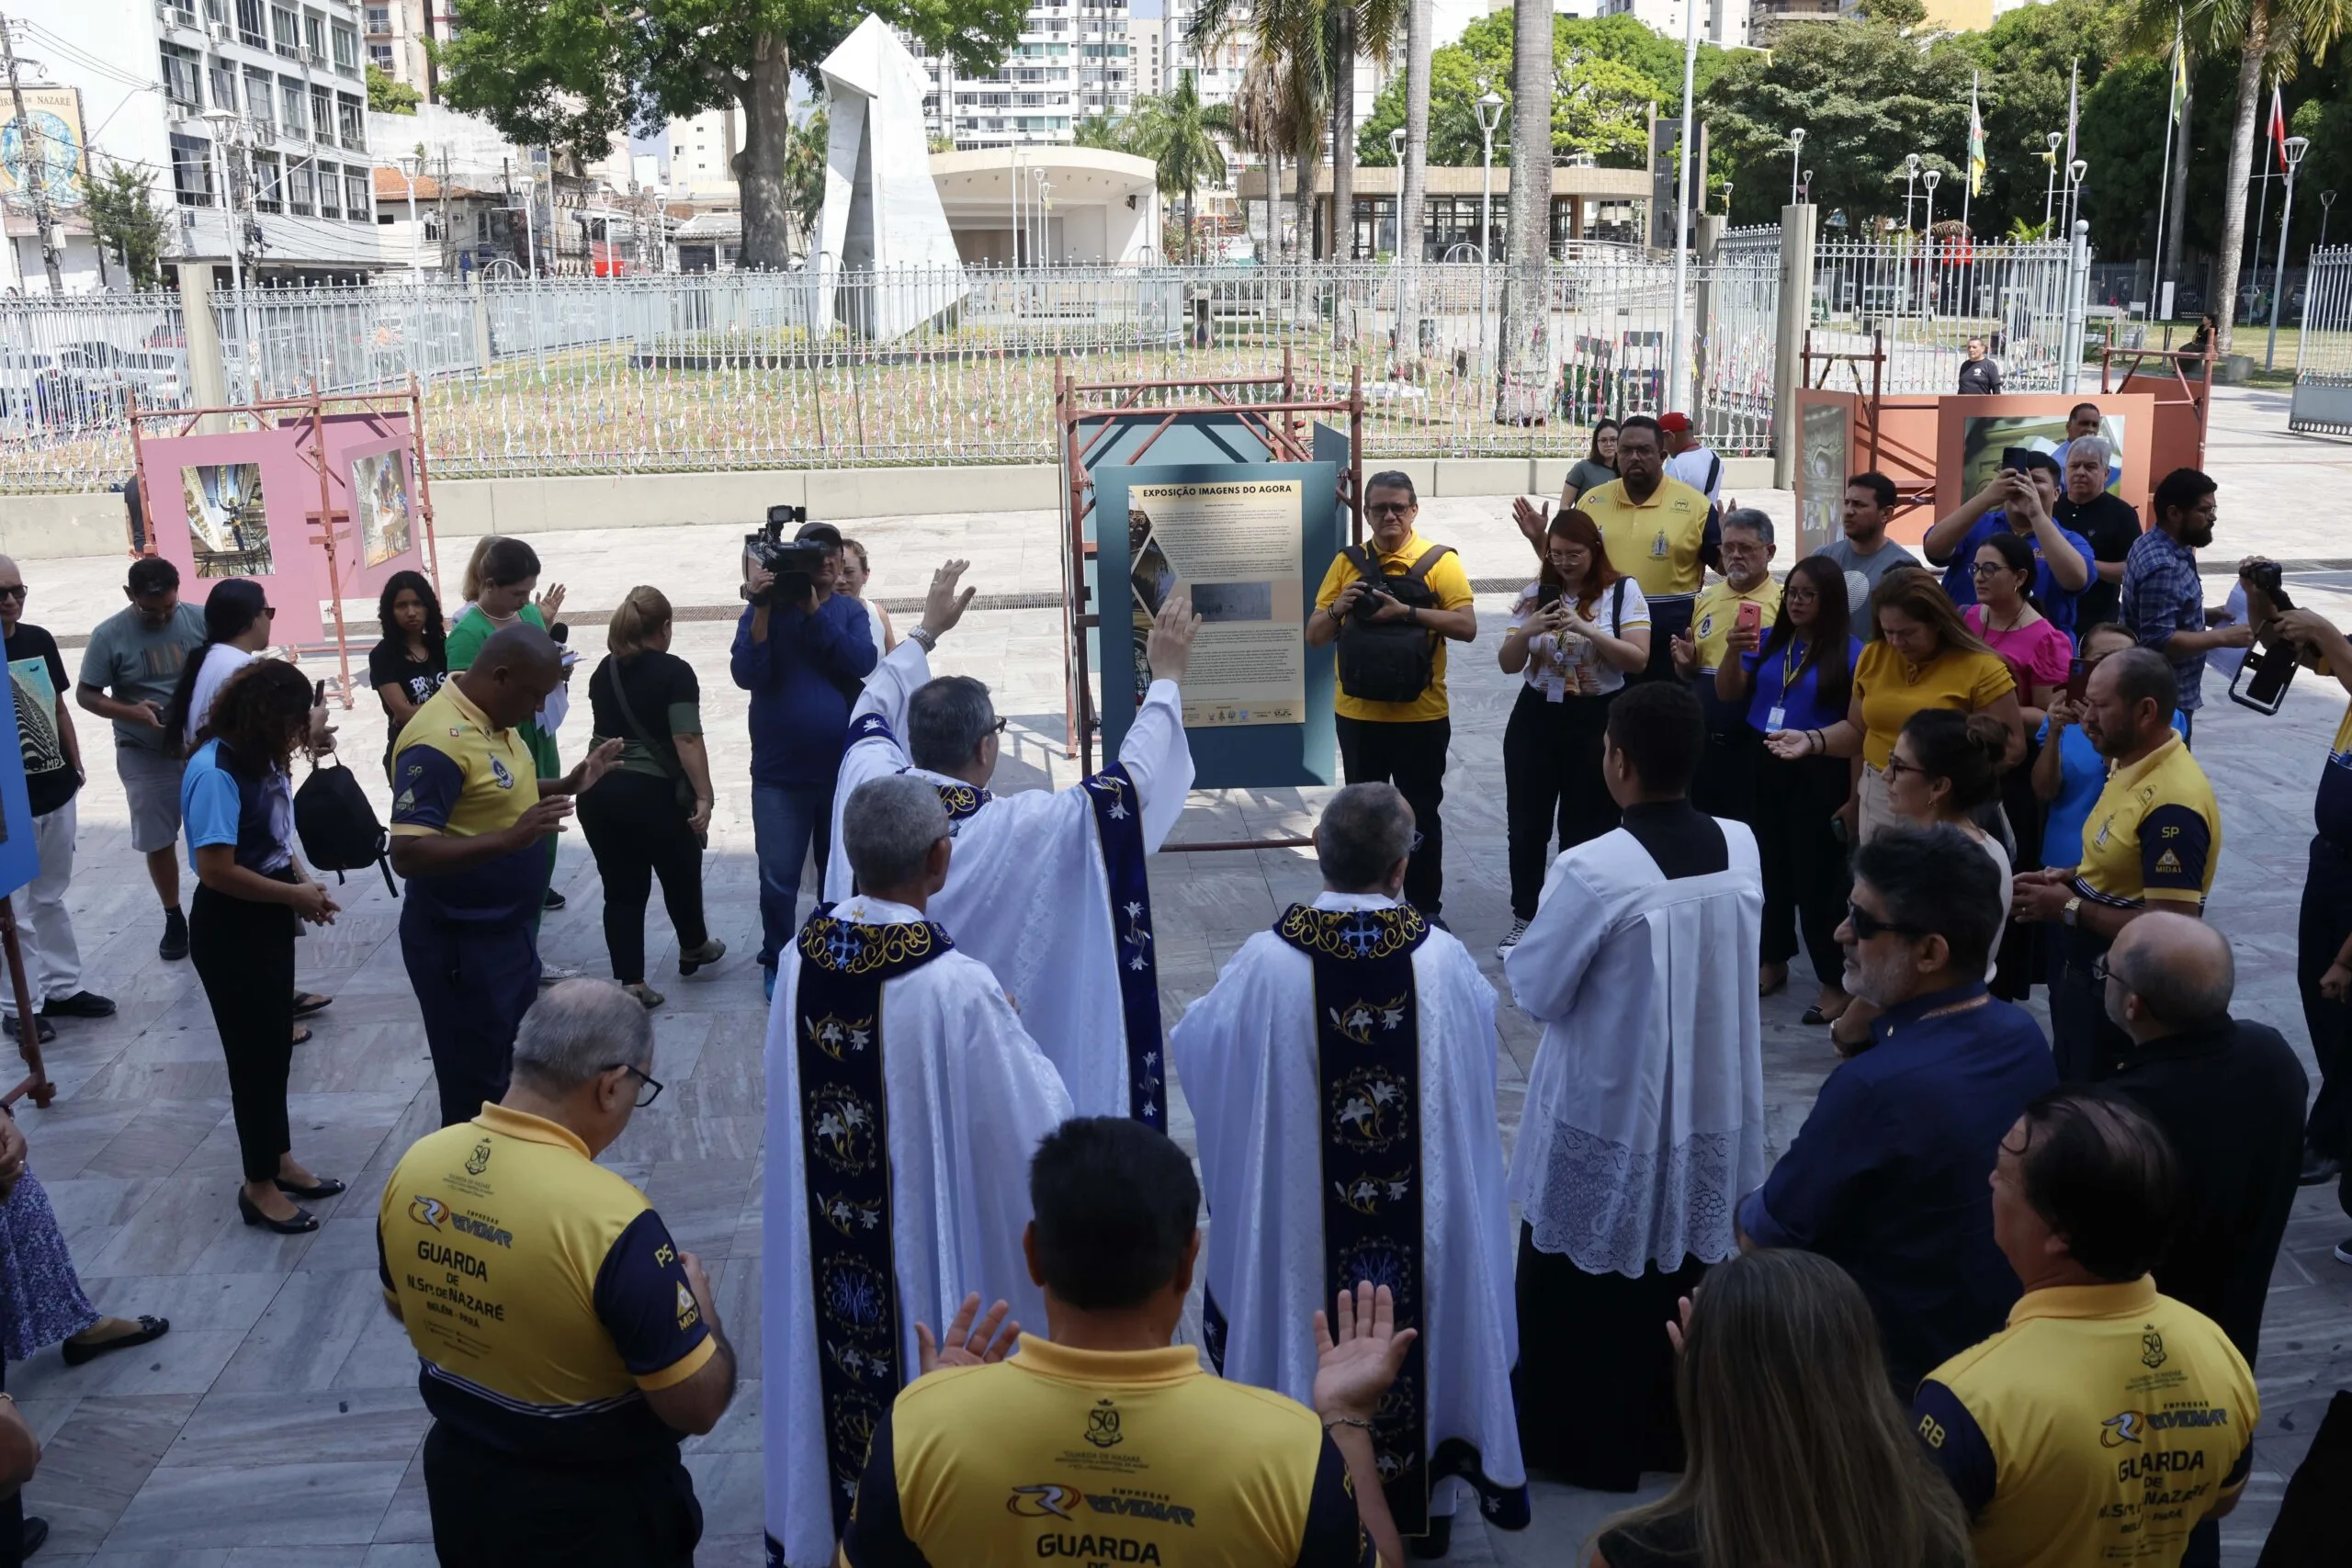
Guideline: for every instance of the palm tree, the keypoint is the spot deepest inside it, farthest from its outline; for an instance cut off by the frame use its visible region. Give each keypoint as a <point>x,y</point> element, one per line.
<point>1171,131</point>
<point>1413,180</point>
<point>1520,396</point>
<point>1255,122</point>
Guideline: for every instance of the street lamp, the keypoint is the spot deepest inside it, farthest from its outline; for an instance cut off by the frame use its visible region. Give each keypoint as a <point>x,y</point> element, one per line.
<point>411,166</point>
<point>1804,190</point>
<point>224,124</point>
<point>1727,203</point>
<point>1930,178</point>
<point>2075,173</point>
<point>1910,173</point>
<point>1796,150</point>
<point>1396,160</point>
<point>2296,147</point>
<point>2326,206</point>
<point>2050,194</point>
<point>1489,106</point>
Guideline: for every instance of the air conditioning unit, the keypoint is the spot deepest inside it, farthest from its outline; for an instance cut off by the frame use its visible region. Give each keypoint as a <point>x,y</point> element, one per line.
<point>217,33</point>
<point>307,56</point>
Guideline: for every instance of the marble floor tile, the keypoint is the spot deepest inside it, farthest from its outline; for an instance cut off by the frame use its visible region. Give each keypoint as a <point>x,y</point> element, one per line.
<point>265,1430</point>
<point>303,1504</point>
<point>302,1341</point>
<point>97,1463</point>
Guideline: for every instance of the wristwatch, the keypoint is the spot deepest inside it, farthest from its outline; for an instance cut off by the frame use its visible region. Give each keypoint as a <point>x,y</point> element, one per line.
<point>2072,913</point>
<point>924,637</point>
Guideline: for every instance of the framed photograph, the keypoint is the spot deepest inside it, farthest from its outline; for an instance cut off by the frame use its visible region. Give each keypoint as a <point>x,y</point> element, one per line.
<point>1824,440</point>
<point>379,502</point>
<point>1971,432</point>
<point>228,521</point>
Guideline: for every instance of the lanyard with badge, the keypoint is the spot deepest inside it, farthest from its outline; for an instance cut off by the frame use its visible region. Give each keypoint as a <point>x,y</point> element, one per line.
<point>1778,718</point>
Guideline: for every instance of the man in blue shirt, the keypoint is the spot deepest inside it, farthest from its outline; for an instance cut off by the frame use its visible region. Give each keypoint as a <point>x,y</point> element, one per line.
<point>804,661</point>
<point>2164,598</point>
<point>2019,499</point>
<point>1888,1176</point>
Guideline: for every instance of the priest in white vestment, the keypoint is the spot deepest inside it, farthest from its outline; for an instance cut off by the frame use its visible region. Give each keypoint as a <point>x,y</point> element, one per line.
<point>1644,1124</point>
<point>1048,888</point>
<point>904,1103</point>
<point>1341,1078</point>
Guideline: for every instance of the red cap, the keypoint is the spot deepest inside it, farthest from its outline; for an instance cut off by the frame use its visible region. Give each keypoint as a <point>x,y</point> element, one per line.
<point>1674,424</point>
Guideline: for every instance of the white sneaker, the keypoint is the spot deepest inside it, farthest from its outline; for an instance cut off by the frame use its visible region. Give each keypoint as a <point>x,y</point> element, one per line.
<point>1510,938</point>
<point>551,973</point>
<point>2344,1250</point>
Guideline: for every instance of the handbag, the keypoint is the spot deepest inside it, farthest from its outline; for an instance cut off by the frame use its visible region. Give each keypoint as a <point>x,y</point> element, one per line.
<point>682,788</point>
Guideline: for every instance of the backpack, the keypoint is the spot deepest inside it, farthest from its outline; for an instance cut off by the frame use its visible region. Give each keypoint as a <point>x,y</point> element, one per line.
<point>338,827</point>
<point>1390,661</point>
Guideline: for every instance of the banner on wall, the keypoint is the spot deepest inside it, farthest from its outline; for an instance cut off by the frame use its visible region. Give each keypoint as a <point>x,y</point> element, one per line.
<point>1232,547</point>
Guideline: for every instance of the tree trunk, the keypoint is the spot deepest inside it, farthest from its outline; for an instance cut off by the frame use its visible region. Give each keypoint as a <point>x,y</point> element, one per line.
<point>1413,184</point>
<point>1520,398</point>
<point>1343,142</point>
<point>1273,204</point>
<point>2177,213</point>
<point>1309,156</point>
<point>760,168</point>
<point>2256,55</point>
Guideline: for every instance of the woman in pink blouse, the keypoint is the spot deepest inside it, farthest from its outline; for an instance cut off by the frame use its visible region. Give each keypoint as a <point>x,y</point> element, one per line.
<point>2039,655</point>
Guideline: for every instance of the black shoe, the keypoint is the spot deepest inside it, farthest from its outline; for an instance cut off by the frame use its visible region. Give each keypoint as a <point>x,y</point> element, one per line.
<point>1437,1543</point>
<point>150,1329</point>
<point>175,943</point>
<point>36,1535</point>
<point>43,1031</point>
<point>1437,919</point>
<point>2318,1167</point>
<point>302,1223</point>
<point>81,1004</point>
<point>327,1188</point>
<point>554,901</point>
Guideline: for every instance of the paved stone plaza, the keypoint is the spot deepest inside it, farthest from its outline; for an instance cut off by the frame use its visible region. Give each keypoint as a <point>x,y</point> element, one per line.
<point>278,1422</point>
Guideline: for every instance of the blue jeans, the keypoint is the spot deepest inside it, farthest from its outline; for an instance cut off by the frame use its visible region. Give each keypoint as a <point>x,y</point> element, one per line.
<point>784,821</point>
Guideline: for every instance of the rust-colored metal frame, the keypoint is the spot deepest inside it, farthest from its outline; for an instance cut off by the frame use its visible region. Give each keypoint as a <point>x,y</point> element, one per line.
<point>410,401</point>
<point>2197,392</point>
<point>1279,420</point>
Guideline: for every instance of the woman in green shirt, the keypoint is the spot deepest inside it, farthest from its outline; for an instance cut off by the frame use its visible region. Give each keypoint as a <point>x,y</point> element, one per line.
<point>499,584</point>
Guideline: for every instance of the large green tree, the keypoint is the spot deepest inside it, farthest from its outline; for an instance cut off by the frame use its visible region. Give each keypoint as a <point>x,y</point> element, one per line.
<point>124,219</point>
<point>568,74</point>
<point>2027,61</point>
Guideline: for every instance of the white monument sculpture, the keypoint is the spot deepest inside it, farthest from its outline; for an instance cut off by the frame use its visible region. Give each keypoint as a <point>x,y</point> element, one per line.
<point>882,213</point>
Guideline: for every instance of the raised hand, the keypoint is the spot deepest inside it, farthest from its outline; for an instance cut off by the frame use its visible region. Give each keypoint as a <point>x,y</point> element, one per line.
<point>1532,519</point>
<point>595,765</point>
<point>967,1344</point>
<point>550,604</point>
<point>942,607</point>
<point>1169,647</point>
<point>542,816</point>
<point>1355,1366</point>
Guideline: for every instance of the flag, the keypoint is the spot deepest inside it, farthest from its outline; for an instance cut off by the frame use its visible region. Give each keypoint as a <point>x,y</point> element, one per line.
<point>1975,144</point>
<point>2179,72</point>
<point>2277,126</point>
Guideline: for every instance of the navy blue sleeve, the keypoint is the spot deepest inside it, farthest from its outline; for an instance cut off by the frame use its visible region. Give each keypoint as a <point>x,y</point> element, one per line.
<point>644,1302</point>
<point>427,782</point>
<point>1956,1445</point>
<point>750,663</point>
<point>1710,543</point>
<point>1812,1192</point>
<point>876,1537</point>
<point>2175,844</point>
<point>1334,1536</point>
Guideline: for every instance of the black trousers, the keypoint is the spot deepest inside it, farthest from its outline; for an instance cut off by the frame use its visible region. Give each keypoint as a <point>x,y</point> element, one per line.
<point>243,952</point>
<point>1806,876</point>
<point>2325,922</point>
<point>637,831</point>
<point>494,1509</point>
<point>1412,757</point>
<point>473,984</point>
<point>2081,1036</point>
<point>1669,618</point>
<point>1724,784</point>
<point>2019,962</point>
<point>1552,777</point>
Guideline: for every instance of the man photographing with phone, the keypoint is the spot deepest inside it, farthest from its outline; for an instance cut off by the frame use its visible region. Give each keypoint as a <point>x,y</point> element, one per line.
<point>801,651</point>
<point>2020,497</point>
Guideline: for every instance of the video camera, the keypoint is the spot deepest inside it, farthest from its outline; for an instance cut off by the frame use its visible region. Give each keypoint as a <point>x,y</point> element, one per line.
<point>793,564</point>
<point>2268,668</point>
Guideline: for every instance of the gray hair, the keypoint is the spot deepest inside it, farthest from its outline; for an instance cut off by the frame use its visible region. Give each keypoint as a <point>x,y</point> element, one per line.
<point>1367,828</point>
<point>947,718</point>
<point>2098,444</point>
<point>887,829</point>
<point>578,1029</point>
<point>1393,479</point>
<point>1749,518</point>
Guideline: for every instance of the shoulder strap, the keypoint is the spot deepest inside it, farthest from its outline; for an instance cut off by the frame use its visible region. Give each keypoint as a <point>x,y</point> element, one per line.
<point>1617,608</point>
<point>1419,572</point>
<point>1715,471</point>
<point>1361,560</point>
<point>668,764</point>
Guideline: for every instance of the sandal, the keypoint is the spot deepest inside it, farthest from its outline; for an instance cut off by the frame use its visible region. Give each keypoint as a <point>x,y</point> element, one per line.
<point>301,1034</point>
<point>308,1003</point>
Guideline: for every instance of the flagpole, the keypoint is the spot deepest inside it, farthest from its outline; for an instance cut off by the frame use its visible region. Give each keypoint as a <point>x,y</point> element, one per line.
<point>2073,117</point>
<point>2262,212</point>
<point>1968,156</point>
<point>2163,172</point>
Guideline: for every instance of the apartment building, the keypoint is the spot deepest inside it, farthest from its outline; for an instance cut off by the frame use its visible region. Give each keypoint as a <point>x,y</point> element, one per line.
<point>1072,60</point>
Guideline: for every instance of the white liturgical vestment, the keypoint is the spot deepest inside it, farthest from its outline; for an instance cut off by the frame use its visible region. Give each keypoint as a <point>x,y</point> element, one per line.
<point>966,1096</point>
<point>1029,892</point>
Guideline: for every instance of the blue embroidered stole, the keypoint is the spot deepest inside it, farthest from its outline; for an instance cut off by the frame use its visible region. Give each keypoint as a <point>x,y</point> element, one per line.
<point>1118,823</point>
<point>1368,1069</point>
<point>845,1167</point>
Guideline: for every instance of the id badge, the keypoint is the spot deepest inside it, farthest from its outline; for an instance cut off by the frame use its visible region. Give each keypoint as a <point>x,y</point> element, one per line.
<point>1776,719</point>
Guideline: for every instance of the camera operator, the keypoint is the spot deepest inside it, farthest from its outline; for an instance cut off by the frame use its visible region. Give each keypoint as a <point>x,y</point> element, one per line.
<point>802,652</point>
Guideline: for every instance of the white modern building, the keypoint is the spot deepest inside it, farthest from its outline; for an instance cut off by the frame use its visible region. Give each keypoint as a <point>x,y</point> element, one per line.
<point>252,107</point>
<point>1721,22</point>
<point>1072,60</point>
<point>1059,206</point>
<point>1145,43</point>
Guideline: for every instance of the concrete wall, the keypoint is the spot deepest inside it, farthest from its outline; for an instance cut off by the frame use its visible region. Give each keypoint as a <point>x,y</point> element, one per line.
<point>42,527</point>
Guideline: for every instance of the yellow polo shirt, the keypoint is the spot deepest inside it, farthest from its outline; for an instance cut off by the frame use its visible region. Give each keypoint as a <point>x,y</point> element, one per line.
<point>1717,610</point>
<point>2153,833</point>
<point>1655,542</point>
<point>2100,1428</point>
<point>1891,689</point>
<point>1447,579</point>
<point>541,1291</point>
<point>1093,1456</point>
<point>454,773</point>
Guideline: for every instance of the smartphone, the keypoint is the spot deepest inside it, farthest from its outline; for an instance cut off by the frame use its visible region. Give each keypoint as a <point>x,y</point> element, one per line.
<point>318,693</point>
<point>2078,680</point>
<point>1751,616</point>
<point>2265,674</point>
<point>2013,457</point>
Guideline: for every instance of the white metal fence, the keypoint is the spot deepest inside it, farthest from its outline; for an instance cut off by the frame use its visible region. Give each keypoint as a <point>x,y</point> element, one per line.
<point>2322,401</point>
<point>759,370</point>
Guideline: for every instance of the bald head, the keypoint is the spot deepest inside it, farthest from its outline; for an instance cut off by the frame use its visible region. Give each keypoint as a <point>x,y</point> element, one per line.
<point>2178,971</point>
<point>12,604</point>
<point>511,677</point>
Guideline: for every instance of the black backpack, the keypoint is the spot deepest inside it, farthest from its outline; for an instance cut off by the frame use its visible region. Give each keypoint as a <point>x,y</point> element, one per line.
<point>1390,661</point>
<point>338,825</point>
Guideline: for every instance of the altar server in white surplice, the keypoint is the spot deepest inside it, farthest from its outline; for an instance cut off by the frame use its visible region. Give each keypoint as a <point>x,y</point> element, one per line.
<point>1341,1078</point>
<point>1645,1115</point>
<point>904,1103</point>
<point>1048,888</point>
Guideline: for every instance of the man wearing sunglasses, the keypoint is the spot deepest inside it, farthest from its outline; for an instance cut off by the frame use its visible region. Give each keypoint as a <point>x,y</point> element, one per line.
<point>1888,1176</point>
<point>565,1343</point>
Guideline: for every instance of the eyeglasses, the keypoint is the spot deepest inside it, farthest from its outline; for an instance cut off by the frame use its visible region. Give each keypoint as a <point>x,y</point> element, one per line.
<point>1414,847</point>
<point>650,1089</point>
<point>2101,974</point>
<point>998,728</point>
<point>14,591</point>
<point>269,612</point>
<point>1897,765</point>
<point>1388,508</point>
<point>1986,567</point>
<point>1867,925</point>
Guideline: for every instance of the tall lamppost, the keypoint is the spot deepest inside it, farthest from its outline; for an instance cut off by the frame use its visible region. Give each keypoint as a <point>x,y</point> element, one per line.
<point>1796,150</point>
<point>1489,106</point>
<point>1727,203</point>
<point>2050,194</point>
<point>2326,206</point>
<point>411,166</point>
<point>1397,161</point>
<point>1930,178</point>
<point>1910,173</point>
<point>2075,173</point>
<point>2296,147</point>
<point>1805,186</point>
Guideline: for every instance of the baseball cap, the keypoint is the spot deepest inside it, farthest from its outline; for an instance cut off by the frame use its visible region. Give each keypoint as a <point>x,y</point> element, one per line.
<point>823,534</point>
<point>1674,424</point>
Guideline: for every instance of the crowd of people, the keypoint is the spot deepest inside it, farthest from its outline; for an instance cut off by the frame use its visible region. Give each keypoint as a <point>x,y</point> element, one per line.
<point>1998,1302</point>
